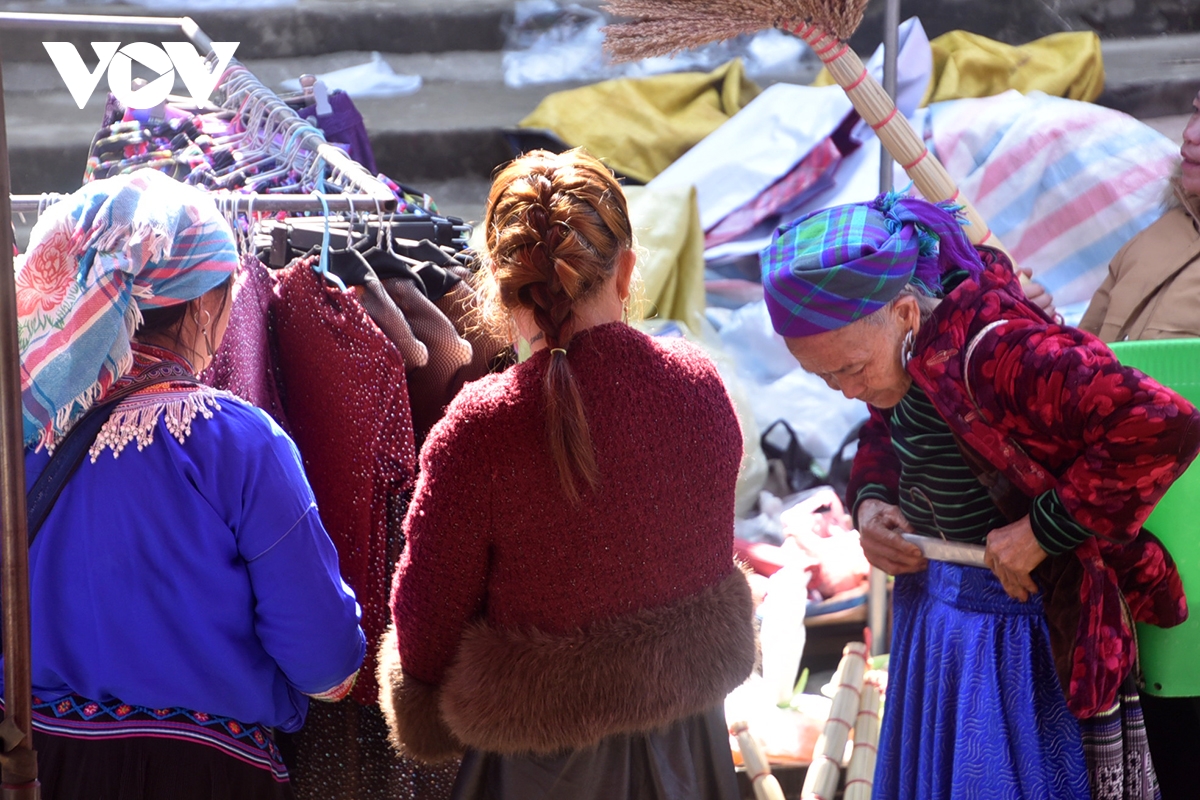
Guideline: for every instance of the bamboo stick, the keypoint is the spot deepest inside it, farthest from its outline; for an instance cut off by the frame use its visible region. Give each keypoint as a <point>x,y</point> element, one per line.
<point>766,786</point>
<point>860,777</point>
<point>822,779</point>
<point>893,128</point>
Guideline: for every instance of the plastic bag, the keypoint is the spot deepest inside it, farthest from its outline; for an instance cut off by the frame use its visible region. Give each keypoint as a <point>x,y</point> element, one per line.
<point>783,634</point>
<point>376,78</point>
<point>549,43</point>
<point>779,389</point>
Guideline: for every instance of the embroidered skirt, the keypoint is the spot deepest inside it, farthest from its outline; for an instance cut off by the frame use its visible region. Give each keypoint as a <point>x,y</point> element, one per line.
<point>1118,752</point>
<point>689,760</point>
<point>116,751</point>
<point>974,708</point>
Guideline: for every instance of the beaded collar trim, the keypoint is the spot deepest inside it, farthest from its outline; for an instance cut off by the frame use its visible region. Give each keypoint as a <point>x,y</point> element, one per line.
<point>172,399</point>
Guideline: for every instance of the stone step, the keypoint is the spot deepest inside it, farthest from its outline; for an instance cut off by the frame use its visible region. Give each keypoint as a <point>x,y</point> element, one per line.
<point>453,128</point>
<point>292,28</point>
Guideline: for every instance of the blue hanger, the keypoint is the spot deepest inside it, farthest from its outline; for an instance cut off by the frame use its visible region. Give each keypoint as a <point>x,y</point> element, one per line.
<point>323,260</point>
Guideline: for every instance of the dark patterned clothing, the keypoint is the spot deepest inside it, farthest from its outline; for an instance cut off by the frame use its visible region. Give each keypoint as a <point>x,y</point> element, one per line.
<point>939,494</point>
<point>1051,408</point>
<point>1118,752</point>
<point>342,753</point>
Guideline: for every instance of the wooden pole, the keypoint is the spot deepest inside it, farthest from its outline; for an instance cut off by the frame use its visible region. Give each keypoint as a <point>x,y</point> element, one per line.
<point>18,765</point>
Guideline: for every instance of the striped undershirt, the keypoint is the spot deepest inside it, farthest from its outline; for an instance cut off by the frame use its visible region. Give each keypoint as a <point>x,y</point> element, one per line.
<point>940,495</point>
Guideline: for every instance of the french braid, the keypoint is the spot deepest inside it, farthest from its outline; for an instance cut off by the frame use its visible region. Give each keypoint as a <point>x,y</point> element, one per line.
<point>556,227</point>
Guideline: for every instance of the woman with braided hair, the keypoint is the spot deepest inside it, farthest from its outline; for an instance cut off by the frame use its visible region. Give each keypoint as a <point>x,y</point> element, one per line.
<point>567,615</point>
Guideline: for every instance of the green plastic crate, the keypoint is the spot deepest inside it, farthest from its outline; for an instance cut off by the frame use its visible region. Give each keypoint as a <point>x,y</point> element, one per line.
<point>1170,657</point>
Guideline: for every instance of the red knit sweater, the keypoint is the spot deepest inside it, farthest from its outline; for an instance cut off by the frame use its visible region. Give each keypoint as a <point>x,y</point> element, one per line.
<point>492,536</point>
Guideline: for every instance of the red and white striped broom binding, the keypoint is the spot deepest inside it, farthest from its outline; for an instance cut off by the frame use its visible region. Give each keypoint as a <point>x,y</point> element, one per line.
<point>661,27</point>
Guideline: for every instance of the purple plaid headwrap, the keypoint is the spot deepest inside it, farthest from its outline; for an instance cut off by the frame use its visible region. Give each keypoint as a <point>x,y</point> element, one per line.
<point>827,269</point>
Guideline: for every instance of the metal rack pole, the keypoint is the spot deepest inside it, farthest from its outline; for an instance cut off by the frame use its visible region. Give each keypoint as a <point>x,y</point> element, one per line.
<point>877,597</point>
<point>891,47</point>
<point>18,765</point>
<point>246,201</point>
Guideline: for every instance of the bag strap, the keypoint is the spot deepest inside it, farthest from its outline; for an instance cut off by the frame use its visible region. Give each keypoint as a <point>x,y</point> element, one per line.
<point>1011,501</point>
<point>70,451</point>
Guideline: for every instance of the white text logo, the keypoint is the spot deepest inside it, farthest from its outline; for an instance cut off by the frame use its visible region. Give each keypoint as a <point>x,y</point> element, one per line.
<point>172,57</point>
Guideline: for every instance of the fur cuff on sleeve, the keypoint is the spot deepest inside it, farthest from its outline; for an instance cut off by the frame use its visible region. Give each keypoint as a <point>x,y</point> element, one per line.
<point>524,691</point>
<point>411,709</point>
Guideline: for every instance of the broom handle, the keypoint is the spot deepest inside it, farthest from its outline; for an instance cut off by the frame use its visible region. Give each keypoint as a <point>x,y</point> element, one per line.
<point>894,130</point>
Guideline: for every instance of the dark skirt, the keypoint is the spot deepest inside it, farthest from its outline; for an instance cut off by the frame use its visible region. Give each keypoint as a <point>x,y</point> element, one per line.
<point>689,760</point>
<point>114,751</point>
<point>974,708</point>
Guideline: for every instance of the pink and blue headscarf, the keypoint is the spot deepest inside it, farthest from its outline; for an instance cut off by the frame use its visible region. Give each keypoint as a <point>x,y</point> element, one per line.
<point>827,269</point>
<point>95,261</point>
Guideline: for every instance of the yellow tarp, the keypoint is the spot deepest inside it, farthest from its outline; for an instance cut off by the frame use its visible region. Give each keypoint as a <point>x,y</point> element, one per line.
<point>969,65</point>
<point>666,223</point>
<point>639,126</point>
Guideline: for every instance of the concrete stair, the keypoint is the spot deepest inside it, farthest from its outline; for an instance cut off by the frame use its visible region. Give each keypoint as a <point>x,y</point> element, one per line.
<point>448,137</point>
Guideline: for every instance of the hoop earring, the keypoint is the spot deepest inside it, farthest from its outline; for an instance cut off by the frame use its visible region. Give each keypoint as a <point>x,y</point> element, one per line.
<point>906,349</point>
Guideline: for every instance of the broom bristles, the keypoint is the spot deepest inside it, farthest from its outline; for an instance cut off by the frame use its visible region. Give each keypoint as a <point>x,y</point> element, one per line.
<point>663,27</point>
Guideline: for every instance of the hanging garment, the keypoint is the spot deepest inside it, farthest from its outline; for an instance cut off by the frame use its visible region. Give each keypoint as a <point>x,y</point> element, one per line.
<point>343,753</point>
<point>346,398</point>
<point>245,361</point>
<point>639,126</point>
<point>344,125</point>
<point>429,385</point>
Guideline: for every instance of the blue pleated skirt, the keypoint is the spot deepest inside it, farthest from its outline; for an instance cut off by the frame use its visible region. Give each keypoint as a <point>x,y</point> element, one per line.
<point>974,708</point>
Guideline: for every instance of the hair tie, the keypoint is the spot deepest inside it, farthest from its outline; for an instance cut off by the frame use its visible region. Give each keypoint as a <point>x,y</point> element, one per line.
<point>554,350</point>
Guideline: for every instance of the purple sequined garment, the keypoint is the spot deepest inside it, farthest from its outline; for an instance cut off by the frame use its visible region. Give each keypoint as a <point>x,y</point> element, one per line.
<point>245,361</point>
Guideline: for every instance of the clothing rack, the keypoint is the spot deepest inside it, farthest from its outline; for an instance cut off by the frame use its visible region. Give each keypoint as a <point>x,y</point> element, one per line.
<point>239,201</point>
<point>236,82</point>
<point>18,761</point>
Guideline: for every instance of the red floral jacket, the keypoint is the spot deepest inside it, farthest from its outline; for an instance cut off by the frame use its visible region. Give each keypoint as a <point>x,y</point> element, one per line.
<point>1050,407</point>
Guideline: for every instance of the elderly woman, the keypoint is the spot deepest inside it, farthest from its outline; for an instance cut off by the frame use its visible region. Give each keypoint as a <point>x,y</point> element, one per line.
<point>185,599</point>
<point>990,423</point>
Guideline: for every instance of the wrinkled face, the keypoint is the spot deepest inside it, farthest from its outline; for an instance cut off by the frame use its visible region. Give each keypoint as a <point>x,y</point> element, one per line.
<point>862,360</point>
<point>1191,151</point>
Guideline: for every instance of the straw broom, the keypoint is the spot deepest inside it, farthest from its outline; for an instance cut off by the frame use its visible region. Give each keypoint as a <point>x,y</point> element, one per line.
<point>860,777</point>
<point>661,27</point>
<point>766,786</point>
<point>822,779</point>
